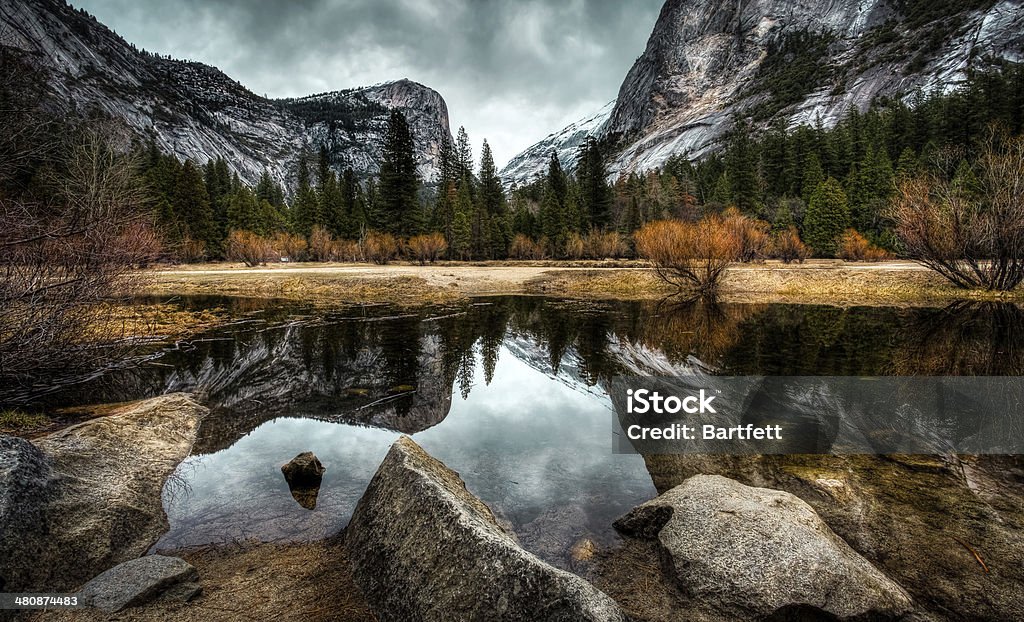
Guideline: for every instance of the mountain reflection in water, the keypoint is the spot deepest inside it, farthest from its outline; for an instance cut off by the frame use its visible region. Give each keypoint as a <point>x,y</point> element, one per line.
<point>507,391</point>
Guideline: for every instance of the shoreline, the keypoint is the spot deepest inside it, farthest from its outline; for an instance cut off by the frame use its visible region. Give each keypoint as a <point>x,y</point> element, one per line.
<point>828,282</point>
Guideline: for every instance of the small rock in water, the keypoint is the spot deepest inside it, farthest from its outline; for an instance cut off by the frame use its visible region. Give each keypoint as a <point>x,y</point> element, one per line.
<point>304,471</point>
<point>140,581</point>
<point>304,474</point>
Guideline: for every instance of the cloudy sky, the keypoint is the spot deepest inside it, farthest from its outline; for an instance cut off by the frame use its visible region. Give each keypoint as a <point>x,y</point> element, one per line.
<point>512,71</point>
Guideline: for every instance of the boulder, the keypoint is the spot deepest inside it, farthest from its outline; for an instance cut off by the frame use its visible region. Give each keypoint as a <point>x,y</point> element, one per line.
<point>24,474</point>
<point>140,581</point>
<point>756,552</point>
<point>949,529</point>
<point>102,502</point>
<point>424,549</point>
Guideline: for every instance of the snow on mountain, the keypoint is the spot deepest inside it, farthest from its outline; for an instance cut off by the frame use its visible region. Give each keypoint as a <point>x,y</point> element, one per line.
<point>195,111</point>
<point>532,162</point>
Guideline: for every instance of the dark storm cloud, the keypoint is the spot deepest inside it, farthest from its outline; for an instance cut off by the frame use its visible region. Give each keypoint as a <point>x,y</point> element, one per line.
<point>510,71</point>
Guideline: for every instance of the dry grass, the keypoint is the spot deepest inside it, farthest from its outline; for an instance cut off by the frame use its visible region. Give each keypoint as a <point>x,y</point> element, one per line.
<point>17,423</point>
<point>155,321</point>
<point>813,282</point>
<point>318,289</point>
<point>311,582</point>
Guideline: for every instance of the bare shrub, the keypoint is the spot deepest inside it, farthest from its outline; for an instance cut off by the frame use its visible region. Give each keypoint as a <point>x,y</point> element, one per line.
<point>427,247</point>
<point>690,256</point>
<point>524,248</point>
<point>190,250</point>
<point>575,247</point>
<point>605,245</point>
<point>752,236</point>
<point>973,239</point>
<point>249,248</point>
<point>855,247</point>
<point>521,247</point>
<point>290,247</point>
<point>321,244</point>
<point>788,246</point>
<point>348,250</point>
<point>63,258</point>
<point>380,248</point>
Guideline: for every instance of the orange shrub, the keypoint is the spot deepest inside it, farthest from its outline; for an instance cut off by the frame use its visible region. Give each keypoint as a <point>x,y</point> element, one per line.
<point>380,248</point>
<point>249,248</point>
<point>575,247</point>
<point>427,247</point>
<point>751,235</point>
<point>854,247</point>
<point>524,248</point>
<point>608,245</point>
<point>788,246</point>
<point>190,250</point>
<point>348,250</point>
<point>690,256</point>
<point>291,247</point>
<point>321,245</point>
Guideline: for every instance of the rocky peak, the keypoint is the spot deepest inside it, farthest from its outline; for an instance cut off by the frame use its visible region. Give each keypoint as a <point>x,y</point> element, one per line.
<point>708,64</point>
<point>196,112</point>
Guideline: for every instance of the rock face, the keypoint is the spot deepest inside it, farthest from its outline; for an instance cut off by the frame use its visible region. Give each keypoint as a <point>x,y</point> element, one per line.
<point>194,111</point>
<point>101,503</point>
<point>754,551</point>
<point>140,581</point>
<point>425,549</point>
<point>708,63</point>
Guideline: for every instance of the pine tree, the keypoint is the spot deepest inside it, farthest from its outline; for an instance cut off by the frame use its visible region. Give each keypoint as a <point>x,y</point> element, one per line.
<point>306,207</point>
<point>495,208</point>
<point>191,205</point>
<point>812,177</point>
<point>462,227</point>
<point>399,182</point>
<point>827,217</point>
<point>595,194</point>
<point>352,217</point>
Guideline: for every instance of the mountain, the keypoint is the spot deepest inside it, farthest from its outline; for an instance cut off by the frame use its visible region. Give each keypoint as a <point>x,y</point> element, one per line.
<point>195,111</point>
<point>534,161</point>
<point>709,64</point>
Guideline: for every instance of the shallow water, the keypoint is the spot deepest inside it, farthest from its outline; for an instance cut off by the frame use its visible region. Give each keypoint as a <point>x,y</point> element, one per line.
<point>507,391</point>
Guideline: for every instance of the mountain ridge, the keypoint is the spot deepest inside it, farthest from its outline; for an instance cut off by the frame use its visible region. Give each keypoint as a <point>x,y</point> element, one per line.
<point>195,111</point>
<point>709,65</point>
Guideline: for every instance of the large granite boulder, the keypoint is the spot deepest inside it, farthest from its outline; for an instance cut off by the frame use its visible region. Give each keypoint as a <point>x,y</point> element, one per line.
<point>423,548</point>
<point>140,581</point>
<point>24,475</point>
<point>759,552</point>
<point>949,529</point>
<point>101,503</point>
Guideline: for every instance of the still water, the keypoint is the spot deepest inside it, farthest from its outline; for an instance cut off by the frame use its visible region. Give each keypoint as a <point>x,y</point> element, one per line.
<point>509,392</point>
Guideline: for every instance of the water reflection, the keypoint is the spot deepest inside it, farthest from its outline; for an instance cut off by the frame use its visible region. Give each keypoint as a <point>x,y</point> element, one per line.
<point>508,391</point>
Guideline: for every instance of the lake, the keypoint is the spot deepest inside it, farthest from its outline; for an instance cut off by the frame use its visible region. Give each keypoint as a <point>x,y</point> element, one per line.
<point>508,391</point>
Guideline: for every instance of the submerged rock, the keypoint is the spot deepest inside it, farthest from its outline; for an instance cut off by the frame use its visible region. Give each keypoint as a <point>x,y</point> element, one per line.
<point>101,503</point>
<point>304,471</point>
<point>140,581</point>
<point>304,474</point>
<point>423,548</point>
<point>755,551</point>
